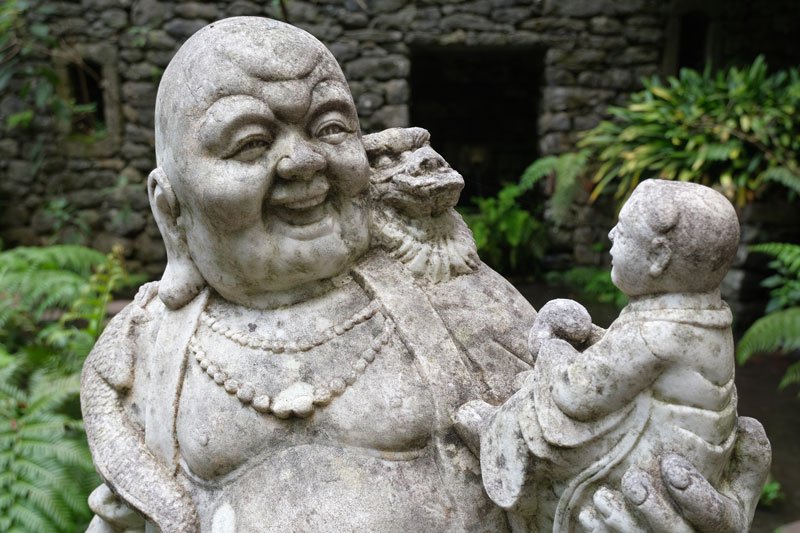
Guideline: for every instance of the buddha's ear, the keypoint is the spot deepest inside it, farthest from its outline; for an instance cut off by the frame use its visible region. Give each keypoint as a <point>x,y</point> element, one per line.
<point>659,256</point>
<point>181,281</point>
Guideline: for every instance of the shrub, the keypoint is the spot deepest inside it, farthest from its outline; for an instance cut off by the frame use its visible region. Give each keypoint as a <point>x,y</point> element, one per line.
<point>735,130</point>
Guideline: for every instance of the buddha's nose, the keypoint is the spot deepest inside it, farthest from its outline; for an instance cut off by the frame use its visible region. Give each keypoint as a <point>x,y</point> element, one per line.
<point>301,162</point>
<point>424,161</point>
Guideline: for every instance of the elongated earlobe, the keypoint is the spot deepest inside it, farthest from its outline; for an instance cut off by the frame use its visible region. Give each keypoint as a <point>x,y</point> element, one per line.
<point>181,281</point>
<point>659,256</point>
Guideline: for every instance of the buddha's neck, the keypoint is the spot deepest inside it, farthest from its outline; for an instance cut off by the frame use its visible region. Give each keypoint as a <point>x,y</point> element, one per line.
<point>342,299</point>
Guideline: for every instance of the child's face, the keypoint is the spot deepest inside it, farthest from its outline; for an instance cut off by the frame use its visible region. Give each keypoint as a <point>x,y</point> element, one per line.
<point>630,251</point>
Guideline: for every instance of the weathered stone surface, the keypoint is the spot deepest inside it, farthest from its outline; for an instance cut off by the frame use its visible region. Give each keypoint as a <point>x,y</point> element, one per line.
<point>671,248</point>
<point>277,249</point>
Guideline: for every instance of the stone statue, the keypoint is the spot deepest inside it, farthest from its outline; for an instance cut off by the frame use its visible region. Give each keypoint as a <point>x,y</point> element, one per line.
<point>600,404</point>
<point>322,317</point>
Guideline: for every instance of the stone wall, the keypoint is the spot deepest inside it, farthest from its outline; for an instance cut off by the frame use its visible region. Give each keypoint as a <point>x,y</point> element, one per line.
<point>594,51</point>
<point>591,54</point>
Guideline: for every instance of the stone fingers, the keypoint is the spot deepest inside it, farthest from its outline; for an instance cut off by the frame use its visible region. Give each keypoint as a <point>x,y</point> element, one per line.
<point>614,513</point>
<point>697,500</point>
<point>653,505</point>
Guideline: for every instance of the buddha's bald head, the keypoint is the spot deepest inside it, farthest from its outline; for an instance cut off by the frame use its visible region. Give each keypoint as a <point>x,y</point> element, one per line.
<point>232,56</point>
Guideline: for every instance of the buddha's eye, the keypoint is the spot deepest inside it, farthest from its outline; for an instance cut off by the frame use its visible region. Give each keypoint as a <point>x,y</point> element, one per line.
<point>250,149</point>
<point>332,131</point>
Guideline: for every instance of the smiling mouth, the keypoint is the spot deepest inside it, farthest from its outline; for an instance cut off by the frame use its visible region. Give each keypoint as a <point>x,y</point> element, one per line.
<point>302,219</point>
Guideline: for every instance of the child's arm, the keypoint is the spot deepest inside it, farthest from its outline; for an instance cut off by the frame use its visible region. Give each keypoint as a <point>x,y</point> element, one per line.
<point>603,378</point>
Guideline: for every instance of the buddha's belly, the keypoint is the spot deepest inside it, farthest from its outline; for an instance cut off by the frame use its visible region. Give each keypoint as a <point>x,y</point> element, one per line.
<point>321,488</point>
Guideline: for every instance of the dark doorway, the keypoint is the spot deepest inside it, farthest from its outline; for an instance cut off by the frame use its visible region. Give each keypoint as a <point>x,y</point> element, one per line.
<point>693,43</point>
<point>481,107</point>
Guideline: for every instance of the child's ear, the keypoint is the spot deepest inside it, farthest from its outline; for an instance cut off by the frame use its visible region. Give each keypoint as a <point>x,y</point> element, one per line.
<point>659,256</point>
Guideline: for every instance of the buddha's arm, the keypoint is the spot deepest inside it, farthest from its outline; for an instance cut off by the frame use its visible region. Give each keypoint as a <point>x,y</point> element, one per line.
<point>603,378</point>
<point>120,455</point>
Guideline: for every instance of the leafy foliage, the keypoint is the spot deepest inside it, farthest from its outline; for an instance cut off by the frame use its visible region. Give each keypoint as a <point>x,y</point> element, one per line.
<point>594,282</point>
<point>771,494</point>
<point>566,170</point>
<point>509,237</point>
<point>779,330</point>
<point>46,468</point>
<point>736,130</point>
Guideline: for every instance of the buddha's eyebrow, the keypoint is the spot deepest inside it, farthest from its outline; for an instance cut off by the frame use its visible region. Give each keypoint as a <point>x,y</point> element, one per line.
<point>330,95</point>
<point>228,113</point>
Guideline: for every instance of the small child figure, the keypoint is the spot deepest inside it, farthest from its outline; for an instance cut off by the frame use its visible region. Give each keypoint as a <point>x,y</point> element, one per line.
<point>658,381</point>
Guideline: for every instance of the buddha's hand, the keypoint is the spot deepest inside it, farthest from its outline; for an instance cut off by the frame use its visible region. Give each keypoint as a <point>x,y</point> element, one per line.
<point>560,319</point>
<point>112,514</point>
<point>690,502</point>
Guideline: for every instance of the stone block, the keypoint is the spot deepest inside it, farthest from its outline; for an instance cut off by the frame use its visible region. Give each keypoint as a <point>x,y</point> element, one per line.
<point>344,50</point>
<point>375,35</point>
<point>139,93</point>
<point>160,39</point>
<point>197,10</point>
<point>390,116</point>
<point>468,21</point>
<point>379,68</point>
<point>244,8</point>
<point>605,25</point>
<point>9,148</point>
<point>637,55</point>
<point>554,24</point>
<point>368,102</point>
<point>149,13</point>
<point>511,15</point>
<point>115,18</point>
<point>399,20</point>
<point>384,6</point>
<point>183,28</point>
<point>397,91</point>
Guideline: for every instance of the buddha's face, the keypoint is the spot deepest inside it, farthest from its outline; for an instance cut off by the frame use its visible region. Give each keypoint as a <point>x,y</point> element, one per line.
<point>268,165</point>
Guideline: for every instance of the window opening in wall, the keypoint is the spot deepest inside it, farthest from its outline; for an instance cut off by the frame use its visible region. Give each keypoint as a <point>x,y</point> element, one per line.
<point>481,107</point>
<point>86,89</point>
<point>693,40</point>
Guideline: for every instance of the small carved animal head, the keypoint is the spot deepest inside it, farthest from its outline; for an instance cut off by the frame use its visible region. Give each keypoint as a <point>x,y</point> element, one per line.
<point>409,175</point>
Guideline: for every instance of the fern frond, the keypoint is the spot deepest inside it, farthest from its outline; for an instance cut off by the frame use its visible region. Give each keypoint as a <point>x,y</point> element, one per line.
<point>72,258</point>
<point>788,255</point>
<point>569,168</point>
<point>784,176</point>
<point>778,331</point>
<point>537,170</point>
<point>791,377</point>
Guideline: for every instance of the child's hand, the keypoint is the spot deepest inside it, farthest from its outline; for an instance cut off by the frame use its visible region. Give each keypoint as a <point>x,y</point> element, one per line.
<point>560,319</point>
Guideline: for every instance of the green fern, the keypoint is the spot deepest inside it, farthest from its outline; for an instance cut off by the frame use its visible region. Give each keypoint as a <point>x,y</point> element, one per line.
<point>787,255</point>
<point>778,331</point>
<point>46,465</point>
<point>37,279</point>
